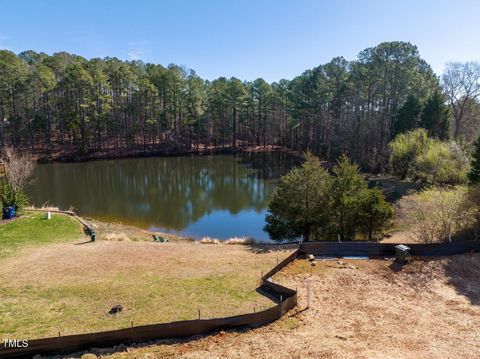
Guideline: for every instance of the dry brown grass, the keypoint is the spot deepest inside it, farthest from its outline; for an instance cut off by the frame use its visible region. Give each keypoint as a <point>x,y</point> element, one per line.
<point>231,241</point>
<point>44,207</point>
<point>428,309</point>
<point>114,236</point>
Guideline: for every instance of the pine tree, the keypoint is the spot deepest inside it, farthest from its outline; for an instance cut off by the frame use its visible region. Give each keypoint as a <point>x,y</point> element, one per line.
<point>435,116</point>
<point>408,116</point>
<point>474,175</point>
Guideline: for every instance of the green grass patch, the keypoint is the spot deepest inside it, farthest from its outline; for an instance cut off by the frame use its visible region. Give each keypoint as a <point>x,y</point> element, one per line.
<point>32,312</point>
<point>34,229</point>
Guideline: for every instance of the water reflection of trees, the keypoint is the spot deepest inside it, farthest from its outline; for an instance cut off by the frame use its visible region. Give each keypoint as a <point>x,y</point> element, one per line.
<point>268,165</point>
<point>167,192</point>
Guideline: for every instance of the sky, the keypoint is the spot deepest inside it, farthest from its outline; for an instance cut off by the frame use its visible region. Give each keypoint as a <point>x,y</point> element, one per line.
<point>272,39</point>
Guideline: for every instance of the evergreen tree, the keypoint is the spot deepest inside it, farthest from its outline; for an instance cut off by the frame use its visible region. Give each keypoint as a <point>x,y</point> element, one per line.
<point>408,116</point>
<point>298,206</point>
<point>310,202</point>
<point>346,197</point>
<point>435,116</point>
<point>474,175</point>
<point>375,212</point>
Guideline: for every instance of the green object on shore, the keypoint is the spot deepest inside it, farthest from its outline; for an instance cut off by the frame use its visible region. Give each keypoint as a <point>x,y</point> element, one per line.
<point>159,239</point>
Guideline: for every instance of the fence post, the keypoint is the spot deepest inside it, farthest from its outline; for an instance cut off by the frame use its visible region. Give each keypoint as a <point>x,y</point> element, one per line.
<point>198,312</point>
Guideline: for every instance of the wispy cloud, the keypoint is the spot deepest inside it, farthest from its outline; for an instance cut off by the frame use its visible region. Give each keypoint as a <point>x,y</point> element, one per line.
<point>137,50</point>
<point>135,54</point>
<point>4,41</point>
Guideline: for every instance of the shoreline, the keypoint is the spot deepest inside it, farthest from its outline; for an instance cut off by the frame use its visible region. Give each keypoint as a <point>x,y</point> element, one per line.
<point>113,154</point>
<point>119,231</point>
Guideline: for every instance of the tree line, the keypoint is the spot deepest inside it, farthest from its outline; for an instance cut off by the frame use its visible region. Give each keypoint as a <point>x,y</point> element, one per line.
<point>66,104</point>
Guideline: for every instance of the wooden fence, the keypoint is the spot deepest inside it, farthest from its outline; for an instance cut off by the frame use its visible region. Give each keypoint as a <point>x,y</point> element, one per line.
<point>344,249</point>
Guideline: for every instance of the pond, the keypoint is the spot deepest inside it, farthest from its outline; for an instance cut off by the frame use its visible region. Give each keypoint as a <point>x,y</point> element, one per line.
<point>220,196</point>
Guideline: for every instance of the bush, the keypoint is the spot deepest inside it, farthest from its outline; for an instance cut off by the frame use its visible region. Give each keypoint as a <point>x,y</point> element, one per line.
<point>442,163</point>
<point>12,198</point>
<point>404,150</point>
<point>416,155</point>
<point>438,214</point>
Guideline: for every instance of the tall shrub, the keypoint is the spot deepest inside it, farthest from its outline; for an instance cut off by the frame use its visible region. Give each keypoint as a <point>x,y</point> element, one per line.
<point>438,214</point>
<point>431,160</point>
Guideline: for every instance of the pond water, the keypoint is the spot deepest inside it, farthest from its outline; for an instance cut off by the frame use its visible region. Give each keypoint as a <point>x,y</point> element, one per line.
<point>220,196</point>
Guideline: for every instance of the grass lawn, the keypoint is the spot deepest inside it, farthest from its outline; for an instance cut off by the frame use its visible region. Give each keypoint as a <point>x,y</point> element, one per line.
<point>33,229</point>
<point>69,288</point>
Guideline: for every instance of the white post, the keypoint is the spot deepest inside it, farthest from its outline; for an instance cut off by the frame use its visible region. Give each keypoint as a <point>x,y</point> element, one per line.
<point>49,215</point>
<point>309,290</point>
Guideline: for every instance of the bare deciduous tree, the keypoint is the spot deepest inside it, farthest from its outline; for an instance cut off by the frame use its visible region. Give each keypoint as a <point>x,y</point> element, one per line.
<point>461,82</point>
<point>19,167</point>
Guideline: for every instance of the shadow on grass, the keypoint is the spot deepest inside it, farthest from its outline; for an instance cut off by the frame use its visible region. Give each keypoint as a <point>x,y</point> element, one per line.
<point>463,273</point>
<point>392,187</point>
<point>86,242</point>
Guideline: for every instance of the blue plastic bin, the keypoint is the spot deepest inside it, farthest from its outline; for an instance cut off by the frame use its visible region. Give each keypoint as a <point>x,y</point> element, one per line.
<point>8,212</point>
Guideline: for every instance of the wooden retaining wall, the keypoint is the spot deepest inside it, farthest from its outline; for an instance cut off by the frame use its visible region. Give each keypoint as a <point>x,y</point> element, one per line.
<point>344,249</point>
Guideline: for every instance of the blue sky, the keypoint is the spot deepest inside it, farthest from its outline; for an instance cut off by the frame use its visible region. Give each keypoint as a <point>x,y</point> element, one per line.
<point>272,39</point>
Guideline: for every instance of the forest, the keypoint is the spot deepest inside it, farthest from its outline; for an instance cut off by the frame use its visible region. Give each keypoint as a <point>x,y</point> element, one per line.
<point>66,104</point>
